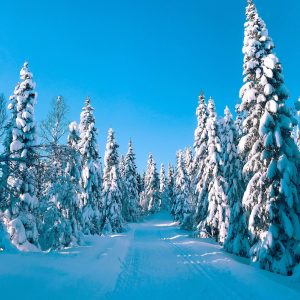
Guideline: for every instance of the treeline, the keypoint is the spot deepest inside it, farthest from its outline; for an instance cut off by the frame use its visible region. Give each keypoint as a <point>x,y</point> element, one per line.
<point>53,193</point>
<point>242,185</point>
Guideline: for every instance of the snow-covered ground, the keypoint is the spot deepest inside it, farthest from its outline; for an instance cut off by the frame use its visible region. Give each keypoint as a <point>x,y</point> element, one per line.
<point>153,260</point>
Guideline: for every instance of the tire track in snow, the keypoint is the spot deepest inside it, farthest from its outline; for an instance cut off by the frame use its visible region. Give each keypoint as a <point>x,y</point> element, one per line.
<point>210,277</point>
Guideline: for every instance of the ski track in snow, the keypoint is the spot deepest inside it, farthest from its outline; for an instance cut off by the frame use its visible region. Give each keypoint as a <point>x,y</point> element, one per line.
<point>153,260</point>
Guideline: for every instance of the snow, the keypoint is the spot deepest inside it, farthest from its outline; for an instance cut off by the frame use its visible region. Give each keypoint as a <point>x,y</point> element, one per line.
<point>268,89</point>
<point>16,146</point>
<point>153,260</point>
<point>270,61</point>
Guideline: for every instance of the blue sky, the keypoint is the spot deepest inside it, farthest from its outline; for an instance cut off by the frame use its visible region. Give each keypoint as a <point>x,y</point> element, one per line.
<point>142,62</point>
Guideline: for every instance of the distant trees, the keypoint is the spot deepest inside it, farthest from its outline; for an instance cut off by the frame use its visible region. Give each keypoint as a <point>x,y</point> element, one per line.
<point>133,209</point>
<point>151,200</point>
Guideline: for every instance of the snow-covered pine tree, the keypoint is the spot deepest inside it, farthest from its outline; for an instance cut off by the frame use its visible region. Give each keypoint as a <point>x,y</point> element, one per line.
<point>133,209</point>
<point>123,187</point>
<point>73,174</point>
<point>200,150</point>
<point>274,217</point>
<point>182,207</point>
<point>22,204</point>
<point>257,44</point>
<point>173,205</point>
<point>213,225</point>
<point>152,199</point>
<point>188,161</point>
<point>143,200</point>
<point>234,189</point>
<point>91,175</point>
<point>112,184</point>
<point>163,188</point>
<point>271,199</point>
<point>171,186</point>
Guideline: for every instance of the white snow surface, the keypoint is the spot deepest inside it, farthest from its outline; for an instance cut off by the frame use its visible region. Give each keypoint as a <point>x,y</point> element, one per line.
<point>152,260</point>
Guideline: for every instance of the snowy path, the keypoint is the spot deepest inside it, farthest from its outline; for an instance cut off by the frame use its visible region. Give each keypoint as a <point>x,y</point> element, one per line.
<point>153,260</point>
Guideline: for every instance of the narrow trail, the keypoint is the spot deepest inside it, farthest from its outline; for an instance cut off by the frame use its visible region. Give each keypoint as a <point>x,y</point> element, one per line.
<point>162,262</point>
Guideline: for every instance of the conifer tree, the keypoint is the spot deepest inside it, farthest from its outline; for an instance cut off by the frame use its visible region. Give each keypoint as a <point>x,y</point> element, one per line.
<point>123,187</point>
<point>112,184</point>
<point>130,179</point>
<point>257,45</point>
<point>188,161</point>
<point>152,199</point>
<point>182,210</point>
<point>232,171</point>
<point>73,172</point>
<point>200,149</point>
<point>214,223</point>
<point>20,142</point>
<point>271,200</point>
<point>200,136</point>
<point>163,189</point>
<point>91,179</point>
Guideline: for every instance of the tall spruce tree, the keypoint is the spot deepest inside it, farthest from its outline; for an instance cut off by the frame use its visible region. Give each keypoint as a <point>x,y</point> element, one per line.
<point>73,172</point>
<point>152,199</point>
<point>188,161</point>
<point>232,171</point>
<point>271,200</point>
<point>257,44</point>
<point>182,207</point>
<point>91,176</point>
<point>21,214</point>
<point>215,200</point>
<point>200,149</point>
<point>130,179</point>
<point>112,185</point>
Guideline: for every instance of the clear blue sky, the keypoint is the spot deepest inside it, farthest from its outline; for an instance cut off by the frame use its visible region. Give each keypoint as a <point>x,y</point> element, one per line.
<point>142,62</point>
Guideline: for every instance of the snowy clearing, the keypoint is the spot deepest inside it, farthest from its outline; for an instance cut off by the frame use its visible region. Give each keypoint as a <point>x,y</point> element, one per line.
<point>153,260</point>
